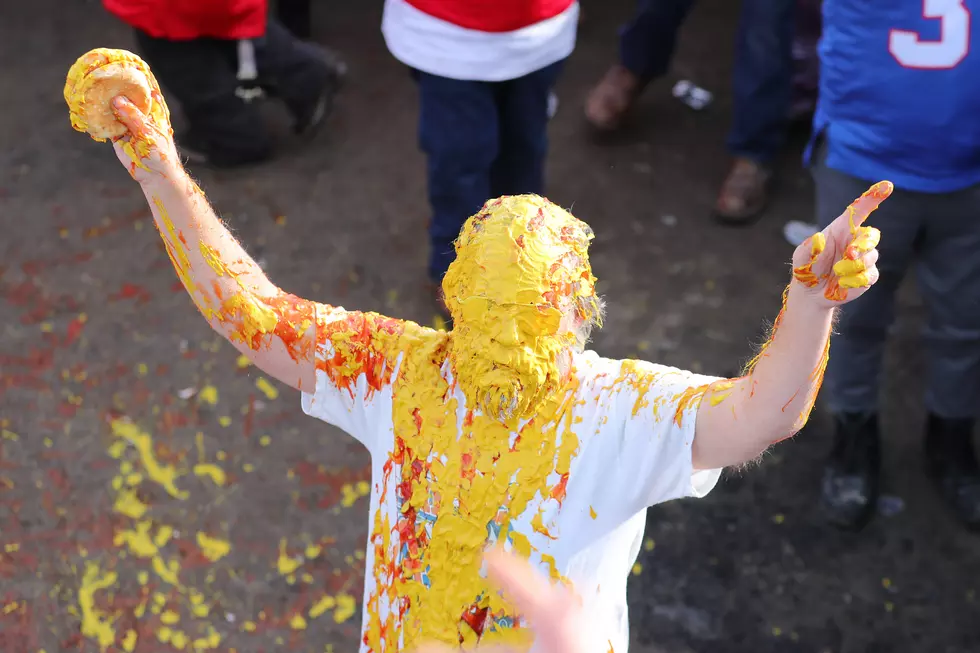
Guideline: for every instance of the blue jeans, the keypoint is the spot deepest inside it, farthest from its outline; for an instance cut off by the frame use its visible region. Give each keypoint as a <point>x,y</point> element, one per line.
<point>763,75</point>
<point>482,140</point>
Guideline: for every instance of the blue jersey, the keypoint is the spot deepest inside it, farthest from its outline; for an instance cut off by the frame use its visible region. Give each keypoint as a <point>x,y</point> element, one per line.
<point>900,91</point>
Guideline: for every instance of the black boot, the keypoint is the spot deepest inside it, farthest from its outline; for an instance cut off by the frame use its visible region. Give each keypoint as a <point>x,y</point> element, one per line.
<point>850,481</point>
<point>952,463</point>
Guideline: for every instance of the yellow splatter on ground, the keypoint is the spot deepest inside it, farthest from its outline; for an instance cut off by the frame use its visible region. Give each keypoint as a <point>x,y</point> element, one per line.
<point>286,564</point>
<point>95,624</point>
<point>163,474</point>
<point>213,548</point>
<point>209,395</point>
<point>350,493</point>
<point>213,472</point>
<point>266,388</point>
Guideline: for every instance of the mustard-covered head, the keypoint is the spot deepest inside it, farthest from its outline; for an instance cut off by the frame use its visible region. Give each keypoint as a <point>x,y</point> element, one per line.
<point>522,298</point>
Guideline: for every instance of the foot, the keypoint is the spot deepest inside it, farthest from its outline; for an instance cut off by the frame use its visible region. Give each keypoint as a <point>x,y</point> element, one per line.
<point>744,193</point>
<point>952,464</point>
<point>309,118</point>
<point>612,98</point>
<point>849,492</point>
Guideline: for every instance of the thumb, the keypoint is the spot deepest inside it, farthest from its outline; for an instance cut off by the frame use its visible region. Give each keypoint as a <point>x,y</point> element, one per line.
<point>807,266</point>
<point>127,113</point>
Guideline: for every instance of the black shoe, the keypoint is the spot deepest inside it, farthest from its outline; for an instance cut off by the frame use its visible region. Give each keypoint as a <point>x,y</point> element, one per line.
<point>952,464</point>
<point>849,492</point>
<point>309,118</point>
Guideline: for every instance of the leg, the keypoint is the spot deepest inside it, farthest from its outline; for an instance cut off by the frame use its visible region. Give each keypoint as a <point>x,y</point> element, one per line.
<point>458,133</point>
<point>647,41</point>
<point>646,46</point>
<point>762,89</point>
<point>302,74</point>
<point>295,16</point>
<point>851,384</point>
<point>763,78</point>
<point>806,62</point>
<point>949,280</point>
<point>522,105</point>
<point>201,74</point>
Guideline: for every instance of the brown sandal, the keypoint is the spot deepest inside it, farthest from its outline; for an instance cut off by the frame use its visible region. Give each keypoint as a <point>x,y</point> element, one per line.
<point>744,193</point>
<point>611,99</point>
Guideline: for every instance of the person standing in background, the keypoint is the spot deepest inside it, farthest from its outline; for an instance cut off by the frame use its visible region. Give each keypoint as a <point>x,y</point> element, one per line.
<point>215,58</point>
<point>900,98</point>
<point>762,89</point>
<point>485,69</point>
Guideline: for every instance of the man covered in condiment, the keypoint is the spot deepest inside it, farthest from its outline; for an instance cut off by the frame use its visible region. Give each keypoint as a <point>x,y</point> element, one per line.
<point>504,431</point>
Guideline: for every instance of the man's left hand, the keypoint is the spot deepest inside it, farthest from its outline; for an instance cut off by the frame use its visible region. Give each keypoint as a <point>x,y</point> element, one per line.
<point>837,265</point>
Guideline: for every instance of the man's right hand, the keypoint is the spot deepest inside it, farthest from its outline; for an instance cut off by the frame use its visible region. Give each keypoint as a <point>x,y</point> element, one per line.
<point>148,150</point>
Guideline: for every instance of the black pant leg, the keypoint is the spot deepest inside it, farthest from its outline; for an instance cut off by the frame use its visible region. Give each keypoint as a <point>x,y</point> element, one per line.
<point>201,75</point>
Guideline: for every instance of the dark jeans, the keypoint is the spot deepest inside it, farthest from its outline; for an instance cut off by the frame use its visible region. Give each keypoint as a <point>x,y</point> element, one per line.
<point>937,236</point>
<point>763,76</point>
<point>482,140</point>
<point>201,74</point>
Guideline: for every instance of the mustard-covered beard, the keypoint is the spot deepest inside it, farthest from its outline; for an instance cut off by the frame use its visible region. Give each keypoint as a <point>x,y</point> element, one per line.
<point>508,382</point>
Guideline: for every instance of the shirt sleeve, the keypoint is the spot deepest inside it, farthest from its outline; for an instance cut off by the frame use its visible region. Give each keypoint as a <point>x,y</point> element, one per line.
<point>644,431</point>
<point>356,358</point>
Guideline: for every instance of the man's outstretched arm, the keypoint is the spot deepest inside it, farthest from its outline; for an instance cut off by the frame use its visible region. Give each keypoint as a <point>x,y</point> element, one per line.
<point>274,329</point>
<point>739,419</point>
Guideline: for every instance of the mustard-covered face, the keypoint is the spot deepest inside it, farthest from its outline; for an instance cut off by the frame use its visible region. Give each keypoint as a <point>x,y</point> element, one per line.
<point>519,288</point>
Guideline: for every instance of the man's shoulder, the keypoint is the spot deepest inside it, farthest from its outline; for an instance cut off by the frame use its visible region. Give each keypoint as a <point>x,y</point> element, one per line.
<point>590,366</point>
<point>352,343</point>
<point>606,381</point>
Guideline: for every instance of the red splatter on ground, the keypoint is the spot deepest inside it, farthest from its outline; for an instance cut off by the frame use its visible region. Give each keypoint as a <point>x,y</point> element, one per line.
<point>131,291</point>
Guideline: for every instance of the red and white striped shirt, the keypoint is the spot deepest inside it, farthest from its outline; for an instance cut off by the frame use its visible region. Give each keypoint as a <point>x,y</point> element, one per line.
<point>482,40</point>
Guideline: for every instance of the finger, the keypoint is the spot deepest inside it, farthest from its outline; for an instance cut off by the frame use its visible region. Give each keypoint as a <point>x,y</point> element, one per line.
<point>873,275</point>
<point>804,258</point>
<point>525,586</point>
<point>848,266</point>
<point>127,113</point>
<point>856,273</point>
<point>864,240</point>
<point>859,210</point>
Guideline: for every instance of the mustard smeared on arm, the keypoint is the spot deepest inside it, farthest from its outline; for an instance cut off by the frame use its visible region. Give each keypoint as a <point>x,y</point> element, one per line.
<point>772,401</point>
<point>274,329</point>
<point>112,94</point>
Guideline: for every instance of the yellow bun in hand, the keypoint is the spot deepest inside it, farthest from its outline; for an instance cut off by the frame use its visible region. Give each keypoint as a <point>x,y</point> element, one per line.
<point>102,74</point>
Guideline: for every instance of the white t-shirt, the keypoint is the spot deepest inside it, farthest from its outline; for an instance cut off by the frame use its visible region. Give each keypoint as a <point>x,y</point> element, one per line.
<point>629,427</point>
<point>441,48</point>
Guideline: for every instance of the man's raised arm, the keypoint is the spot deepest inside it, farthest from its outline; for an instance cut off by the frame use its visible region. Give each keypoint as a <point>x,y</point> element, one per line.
<point>739,419</point>
<point>275,330</point>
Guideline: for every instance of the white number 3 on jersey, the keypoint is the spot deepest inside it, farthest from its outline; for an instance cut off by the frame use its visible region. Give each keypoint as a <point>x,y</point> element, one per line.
<point>911,51</point>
